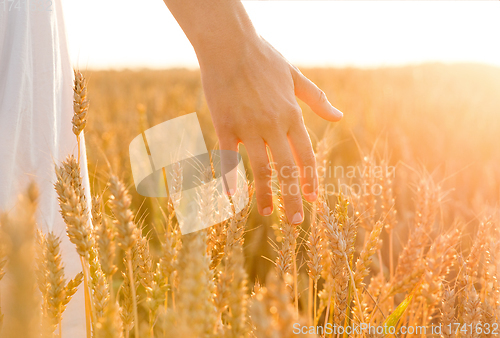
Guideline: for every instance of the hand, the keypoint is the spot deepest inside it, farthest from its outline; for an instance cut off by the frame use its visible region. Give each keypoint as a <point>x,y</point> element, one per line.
<point>250,90</point>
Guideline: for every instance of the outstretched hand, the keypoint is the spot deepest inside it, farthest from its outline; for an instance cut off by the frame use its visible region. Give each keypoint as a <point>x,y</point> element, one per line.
<point>251,97</point>
<point>250,90</point>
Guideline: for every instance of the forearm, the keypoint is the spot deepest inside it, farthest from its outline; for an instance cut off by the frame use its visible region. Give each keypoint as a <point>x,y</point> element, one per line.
<point>213,27</point>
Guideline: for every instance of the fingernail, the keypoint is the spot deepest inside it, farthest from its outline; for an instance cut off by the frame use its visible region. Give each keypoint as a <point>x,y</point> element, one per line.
<point>313,196</point>
<point>231,192</point>
<point>267,211</point>
<point>297,218</point>
<point>337,112</point>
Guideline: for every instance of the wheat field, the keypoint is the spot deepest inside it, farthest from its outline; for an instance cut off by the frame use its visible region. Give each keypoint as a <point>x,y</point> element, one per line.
<point>402,242</point>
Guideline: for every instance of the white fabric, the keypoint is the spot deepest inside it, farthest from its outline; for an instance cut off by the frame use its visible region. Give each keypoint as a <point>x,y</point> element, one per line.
<point>35,125</point>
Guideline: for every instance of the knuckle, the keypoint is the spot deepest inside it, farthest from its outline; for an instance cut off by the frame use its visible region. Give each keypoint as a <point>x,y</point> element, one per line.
<point>262,172</point>
<point>308,157</point>
<point>295,110</point>
<point>227,141</point>
<point>226,132</point>
<point>269,122</point>
<point>293,198</point>
<point>273,121</point>
<point>321,96</point>
<point>264,195</point>
<point>293,114</point>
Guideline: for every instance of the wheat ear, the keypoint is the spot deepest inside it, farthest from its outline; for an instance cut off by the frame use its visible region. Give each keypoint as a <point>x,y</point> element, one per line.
<point>364,260</point>
<point>41,268</point>
<point>56,281</point>
<point>337,248</point>
<point>150,278</point>
<point>271,312</point>
<point>104,236</point>
<point>196,288</point>
<point>80,103</point>
<point>427,203</point>
<point>439,259</point>
<point>125,228</point>
<point>168,260</point>
<point>238,294</point>
<point>110,324</point>
<point>71,288</point>
<point>286,258</point>
<point>448,313</point>
<point>80,107</point>
<point>472,311</point>
<point>74,211</point>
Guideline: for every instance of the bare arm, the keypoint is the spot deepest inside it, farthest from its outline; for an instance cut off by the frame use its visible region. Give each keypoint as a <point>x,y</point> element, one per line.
<point>250,89</point>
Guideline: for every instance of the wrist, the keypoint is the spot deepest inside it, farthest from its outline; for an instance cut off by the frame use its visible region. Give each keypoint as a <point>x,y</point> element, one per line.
<point>217,29</point>
<point>225,30</point>
<point>224,50</point>
<point>221,42</point>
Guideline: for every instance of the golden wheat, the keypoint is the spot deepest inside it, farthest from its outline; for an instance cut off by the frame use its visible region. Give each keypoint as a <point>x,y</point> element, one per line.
<point>379,259</point>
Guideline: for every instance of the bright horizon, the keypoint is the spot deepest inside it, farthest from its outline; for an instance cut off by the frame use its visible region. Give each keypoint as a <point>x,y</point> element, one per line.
<point>127,34</point>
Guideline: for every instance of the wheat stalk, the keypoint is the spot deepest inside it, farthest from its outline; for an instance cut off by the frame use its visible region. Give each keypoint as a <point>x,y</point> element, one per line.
<point>314,257</point>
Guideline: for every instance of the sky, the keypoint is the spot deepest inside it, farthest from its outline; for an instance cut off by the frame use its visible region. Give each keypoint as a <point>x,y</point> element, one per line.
<point>121,34</point>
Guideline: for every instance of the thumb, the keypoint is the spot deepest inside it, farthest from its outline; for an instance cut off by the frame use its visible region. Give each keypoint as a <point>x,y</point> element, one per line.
<point>314,97</point>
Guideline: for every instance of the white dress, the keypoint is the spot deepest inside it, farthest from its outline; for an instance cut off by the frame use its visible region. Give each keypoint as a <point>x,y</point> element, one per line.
<point>35,125</point>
